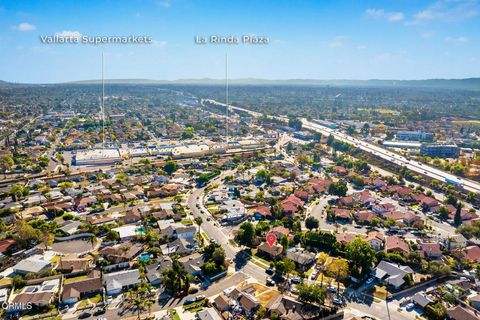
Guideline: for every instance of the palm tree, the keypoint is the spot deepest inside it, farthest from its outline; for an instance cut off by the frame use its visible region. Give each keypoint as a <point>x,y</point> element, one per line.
<point>149,304</point>
<point>93,240</point>
<point>198,221</point>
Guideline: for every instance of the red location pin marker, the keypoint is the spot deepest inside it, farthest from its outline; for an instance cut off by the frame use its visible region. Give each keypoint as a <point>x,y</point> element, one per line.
<point>271,238</point>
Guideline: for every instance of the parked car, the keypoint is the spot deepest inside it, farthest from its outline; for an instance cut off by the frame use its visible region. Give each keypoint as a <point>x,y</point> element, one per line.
<point>270,282</point>
<point>99,312</point>
<point>189,301</point>
<point>269,271</point>
<point>337,301</point>
<point>200,297</point>
<point>410,307</point>
<point>84,315</point>
<point>296,280</point>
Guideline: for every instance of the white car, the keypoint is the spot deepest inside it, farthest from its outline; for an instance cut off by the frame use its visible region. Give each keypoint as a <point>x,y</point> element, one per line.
<point>410,307</point>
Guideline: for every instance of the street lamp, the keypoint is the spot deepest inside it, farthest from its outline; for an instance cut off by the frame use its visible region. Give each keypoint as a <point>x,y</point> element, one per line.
<point>386,301</point>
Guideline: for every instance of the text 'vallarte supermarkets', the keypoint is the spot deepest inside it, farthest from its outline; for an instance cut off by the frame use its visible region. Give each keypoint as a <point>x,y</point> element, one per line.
<point>96,40</point>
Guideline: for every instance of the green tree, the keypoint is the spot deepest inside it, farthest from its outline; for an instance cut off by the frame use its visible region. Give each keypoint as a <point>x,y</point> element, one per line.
<point>93,240</point>
<point>246,234</point>
<point>312,293</point>
<point>457,219</point>
<point>338,269</point>
<point>219,256</point>
<point>436,311</point>
<point>311,223</point>
<point>443,213</point>
<point>170,167</point>
<point>361,256</point>
<point>188,133</point>
<point>338,188</point>
<point>7,163</point>
<point>198,221</point>
<point>112,235</point>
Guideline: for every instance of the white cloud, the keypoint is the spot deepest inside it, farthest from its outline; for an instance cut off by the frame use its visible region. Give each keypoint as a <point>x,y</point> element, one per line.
<point>457,40</point>
<point>164,3</point>
<point>446,10</point>
<point>362,47</point>
<point>427,34</point>
<point>25,26</point>
<point>337,42</point>
<point>382,14</point>
<point>69,34</point>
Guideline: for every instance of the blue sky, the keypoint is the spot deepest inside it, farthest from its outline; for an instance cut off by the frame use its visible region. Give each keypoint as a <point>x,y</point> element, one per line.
<point>308,39</point>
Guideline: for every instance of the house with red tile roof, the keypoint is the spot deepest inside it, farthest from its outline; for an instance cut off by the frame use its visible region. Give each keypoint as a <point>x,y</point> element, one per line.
<point>280,231</point>
<point>272,251</point>
<point>342,214</point>
<point>295,200</point>
<point>289,208</point>
<point>365,216</point>
<point>376,240</point>
<point>364,198</point>
<point>383,207</point>
<point>346,237</point>
<point>471,253</point>
<point>5,244</point>
<point>340,170</point>
<point>427,203</point>
<point>320,186</point>
<point>345,201</point>
<point>302,195</point>
<point>395,215</point>
<point>394,244</point>
<point>410,218</point>
<point>431,250</point>
<point>262,212</point>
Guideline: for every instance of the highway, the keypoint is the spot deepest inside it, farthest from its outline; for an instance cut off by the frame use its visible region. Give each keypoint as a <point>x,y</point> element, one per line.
<point>385,154</point>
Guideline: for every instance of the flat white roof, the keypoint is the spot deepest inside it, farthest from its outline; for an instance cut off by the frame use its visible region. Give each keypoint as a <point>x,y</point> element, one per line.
<point>402,144</point>
<point>97,154</point>
<point>127,231</point>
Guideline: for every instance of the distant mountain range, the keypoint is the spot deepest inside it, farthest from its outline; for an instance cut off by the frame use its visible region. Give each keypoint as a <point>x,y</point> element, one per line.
<point>469,83</point>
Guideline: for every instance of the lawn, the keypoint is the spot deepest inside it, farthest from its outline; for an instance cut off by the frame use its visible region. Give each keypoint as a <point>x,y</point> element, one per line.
<point>380,292</point>
<point>259,288</point>
<point>96,299</point>
<point>55,260</point>
<point>196,306</point>
<point>175,314</point>
<point>70,280</point>
<point>83,303</point>
<point>5,281</point>
<point>260,262</point>
<point>186,222</point>
<point>265,297</point>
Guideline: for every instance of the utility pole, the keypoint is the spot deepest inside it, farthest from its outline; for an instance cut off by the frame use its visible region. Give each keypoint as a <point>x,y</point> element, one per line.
<point>103,108</point>
<point>226,97</point>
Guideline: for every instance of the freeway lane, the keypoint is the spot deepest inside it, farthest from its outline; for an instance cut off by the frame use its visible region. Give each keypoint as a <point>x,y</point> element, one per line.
<point>392,157</point>
<point>415,166</point>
